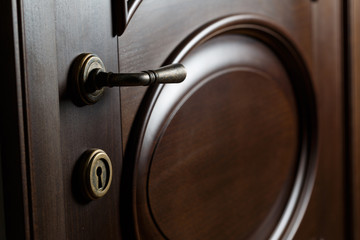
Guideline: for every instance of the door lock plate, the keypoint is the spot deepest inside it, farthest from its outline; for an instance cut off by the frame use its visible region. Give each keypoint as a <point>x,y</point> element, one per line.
<point>96,173</point>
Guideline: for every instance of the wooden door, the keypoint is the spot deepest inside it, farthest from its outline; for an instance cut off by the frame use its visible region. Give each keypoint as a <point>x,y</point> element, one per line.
<point>55,132</point>
<point>243,148</point>
<point>249,146</point>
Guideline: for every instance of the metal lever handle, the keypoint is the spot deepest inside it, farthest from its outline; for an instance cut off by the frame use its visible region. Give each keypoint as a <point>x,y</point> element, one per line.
<point>174,73</point>
<point>90,77</point>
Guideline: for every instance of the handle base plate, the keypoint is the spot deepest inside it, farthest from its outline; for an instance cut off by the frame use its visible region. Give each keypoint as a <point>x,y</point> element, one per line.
<point>82,67</point>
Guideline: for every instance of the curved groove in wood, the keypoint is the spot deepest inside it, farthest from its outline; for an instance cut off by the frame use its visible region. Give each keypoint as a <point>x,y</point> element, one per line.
<point>137,162</point>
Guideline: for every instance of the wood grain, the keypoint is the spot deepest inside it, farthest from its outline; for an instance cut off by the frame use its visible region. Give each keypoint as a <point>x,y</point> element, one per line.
<point>353,53</point>
<point>309,32</point>
<point>207,177</point>
<point>152,50</point>
<point>327,198</point>
<point>81,27</point>
<point>45,161</point>
<point>43,133</point>
<point>204,56</point>
<point>59,131</point>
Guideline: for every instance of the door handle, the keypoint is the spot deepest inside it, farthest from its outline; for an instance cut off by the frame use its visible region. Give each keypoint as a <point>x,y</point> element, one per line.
<point>90,78</point>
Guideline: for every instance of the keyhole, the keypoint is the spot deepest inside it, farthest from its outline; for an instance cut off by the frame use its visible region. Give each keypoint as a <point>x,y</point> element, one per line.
<point>99,173</point>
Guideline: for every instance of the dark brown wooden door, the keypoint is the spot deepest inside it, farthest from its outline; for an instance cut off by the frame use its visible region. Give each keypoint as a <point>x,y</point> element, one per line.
<point>243,147</point>
<point>249,146</point>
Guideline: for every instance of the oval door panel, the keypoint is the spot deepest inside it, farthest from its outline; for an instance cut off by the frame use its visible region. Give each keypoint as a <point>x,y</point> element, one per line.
<point>227,154</point>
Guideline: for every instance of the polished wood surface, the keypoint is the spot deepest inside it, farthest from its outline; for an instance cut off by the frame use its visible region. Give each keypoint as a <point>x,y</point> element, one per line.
<point>207,176</point>
<point>247,61</point>
<point>81,30</point>
<point>56,131</point>
<point>329,90</point>
<point>303,32</point>
<point>265,159</point>
<point>352,59</point>
<point>44,160</point>
<point>294,17</point>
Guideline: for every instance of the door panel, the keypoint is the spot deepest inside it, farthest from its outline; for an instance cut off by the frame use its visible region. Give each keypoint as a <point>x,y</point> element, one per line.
<point>136,54</point>
<point>200,147</point>
<point>170,143</point>
<point>59,130</point>
<point>250,145</point>
<point>88,28</point>
<point>327,198</point>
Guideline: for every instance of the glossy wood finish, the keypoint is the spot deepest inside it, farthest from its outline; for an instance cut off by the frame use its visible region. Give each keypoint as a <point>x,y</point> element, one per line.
<point>295,18</point>
<point>245,59</point>
<point>207,176</point>
<point>302,24</point>
<point>353,54</point>
<point>44,133</point>
<point>52,131</point>
<point>329,90</point>
<point>80,30</point>
<point>43,120</point>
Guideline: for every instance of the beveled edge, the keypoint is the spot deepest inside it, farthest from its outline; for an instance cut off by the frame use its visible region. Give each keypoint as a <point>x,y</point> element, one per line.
<point>284,47</point>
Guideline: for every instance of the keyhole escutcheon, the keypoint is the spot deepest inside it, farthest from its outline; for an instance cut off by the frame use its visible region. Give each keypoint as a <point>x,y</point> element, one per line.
<point>97,173</point>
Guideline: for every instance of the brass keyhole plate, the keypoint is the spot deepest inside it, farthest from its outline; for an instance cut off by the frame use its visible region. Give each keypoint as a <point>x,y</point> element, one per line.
<point>96,174</point>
